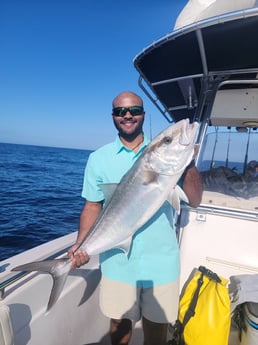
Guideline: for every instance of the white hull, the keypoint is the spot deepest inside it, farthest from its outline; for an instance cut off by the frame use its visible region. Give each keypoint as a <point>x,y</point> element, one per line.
<point>75,319</point>
<point>28,298</point>
<point>221,243</point>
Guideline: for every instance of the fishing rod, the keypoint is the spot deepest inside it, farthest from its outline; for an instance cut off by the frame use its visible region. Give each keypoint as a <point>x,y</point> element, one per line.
<point>214,148</point>
<point>228,146</point>
<point>246,152</point>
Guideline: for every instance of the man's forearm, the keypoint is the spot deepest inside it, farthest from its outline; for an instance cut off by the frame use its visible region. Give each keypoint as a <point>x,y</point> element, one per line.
<point>192,186</point>
<point>88,217</point>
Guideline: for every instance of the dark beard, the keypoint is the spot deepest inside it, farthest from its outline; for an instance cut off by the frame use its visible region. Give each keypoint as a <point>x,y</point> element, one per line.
<point>129,136</point>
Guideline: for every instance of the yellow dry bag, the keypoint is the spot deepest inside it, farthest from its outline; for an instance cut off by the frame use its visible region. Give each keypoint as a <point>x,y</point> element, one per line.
<point>204,310</point>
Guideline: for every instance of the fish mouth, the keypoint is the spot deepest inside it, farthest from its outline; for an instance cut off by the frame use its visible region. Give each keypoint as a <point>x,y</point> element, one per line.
<point>188,132</point>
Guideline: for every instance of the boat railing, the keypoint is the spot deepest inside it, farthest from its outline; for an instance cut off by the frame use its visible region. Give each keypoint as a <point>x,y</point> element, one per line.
<point>232,213</point>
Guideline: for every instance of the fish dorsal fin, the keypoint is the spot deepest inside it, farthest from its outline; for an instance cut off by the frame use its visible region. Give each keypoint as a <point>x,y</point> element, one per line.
<point>175,196</point>
<point>108,190</point>
<point>149,176</point>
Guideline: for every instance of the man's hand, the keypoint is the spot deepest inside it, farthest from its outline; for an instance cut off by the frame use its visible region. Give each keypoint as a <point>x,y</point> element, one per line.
<point>79,257</point>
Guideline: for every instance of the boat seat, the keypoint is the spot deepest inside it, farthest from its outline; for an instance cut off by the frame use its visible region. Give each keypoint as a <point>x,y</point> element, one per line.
<point>228,181</point>
<point>6,330</point>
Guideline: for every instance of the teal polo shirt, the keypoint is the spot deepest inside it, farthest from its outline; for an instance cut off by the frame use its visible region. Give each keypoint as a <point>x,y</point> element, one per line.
<point>154,256</point>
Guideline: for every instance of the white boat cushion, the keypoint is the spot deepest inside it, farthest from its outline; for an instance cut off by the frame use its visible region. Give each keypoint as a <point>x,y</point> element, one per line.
<point>6,330</point>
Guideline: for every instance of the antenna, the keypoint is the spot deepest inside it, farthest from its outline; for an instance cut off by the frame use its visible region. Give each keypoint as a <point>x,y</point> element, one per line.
<point>150,128</point>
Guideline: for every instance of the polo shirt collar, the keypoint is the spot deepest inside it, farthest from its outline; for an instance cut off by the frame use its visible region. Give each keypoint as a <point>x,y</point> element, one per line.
<point>120,145</point>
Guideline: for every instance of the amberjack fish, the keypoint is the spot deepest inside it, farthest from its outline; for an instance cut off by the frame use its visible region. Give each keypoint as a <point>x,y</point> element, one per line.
<point>150,182</point>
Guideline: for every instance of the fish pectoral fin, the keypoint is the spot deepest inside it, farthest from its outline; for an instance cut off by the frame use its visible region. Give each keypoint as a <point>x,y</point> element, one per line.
<point>174,200</point>
<point>108,190</point>
<point>149,176</point>
<point>125,245</point>
<point>175,196</point>
<point>181,194</point>
<point>58,268</point>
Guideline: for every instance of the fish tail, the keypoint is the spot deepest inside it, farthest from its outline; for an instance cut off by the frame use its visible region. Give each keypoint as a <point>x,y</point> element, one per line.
<point>58,268</point>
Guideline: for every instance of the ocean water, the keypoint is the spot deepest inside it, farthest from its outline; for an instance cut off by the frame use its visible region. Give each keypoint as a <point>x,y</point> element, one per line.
<point>40,190</point>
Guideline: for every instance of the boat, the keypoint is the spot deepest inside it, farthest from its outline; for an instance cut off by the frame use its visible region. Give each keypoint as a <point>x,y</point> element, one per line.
<point>206,70</point>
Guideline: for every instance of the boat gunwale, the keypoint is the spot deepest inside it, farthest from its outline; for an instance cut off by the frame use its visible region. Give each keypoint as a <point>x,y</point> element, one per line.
<point>18,276</point>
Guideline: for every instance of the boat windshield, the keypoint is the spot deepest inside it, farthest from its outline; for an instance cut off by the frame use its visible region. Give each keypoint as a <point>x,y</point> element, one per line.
<point>228,164</point>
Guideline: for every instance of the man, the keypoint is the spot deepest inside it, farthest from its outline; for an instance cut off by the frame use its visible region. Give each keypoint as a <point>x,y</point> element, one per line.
<point>126,294</point>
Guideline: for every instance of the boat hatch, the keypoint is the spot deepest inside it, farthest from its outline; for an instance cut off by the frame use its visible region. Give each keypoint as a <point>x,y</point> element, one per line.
<point>237,107</point>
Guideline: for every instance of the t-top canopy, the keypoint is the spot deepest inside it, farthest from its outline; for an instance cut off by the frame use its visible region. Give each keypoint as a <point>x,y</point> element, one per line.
<point>190,61</point>
<point>196,10</point>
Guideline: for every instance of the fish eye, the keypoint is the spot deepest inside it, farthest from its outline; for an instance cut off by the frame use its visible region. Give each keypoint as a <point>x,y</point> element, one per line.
<point>167,140</point>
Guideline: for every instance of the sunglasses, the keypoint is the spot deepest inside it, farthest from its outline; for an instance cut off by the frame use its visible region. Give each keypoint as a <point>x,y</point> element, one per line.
<point>134,110</point>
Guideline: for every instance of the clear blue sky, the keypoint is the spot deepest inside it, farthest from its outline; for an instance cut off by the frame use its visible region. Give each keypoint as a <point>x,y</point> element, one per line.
<point>63,61</point>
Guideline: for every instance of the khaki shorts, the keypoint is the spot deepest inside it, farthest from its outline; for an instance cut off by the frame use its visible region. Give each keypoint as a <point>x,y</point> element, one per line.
<point>122,301</point>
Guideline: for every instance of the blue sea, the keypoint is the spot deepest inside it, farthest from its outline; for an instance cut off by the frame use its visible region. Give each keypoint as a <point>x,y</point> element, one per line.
<point>40,190</point>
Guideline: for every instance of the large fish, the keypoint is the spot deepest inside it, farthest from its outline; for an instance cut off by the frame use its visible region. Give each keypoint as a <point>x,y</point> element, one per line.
<point>150,182</point>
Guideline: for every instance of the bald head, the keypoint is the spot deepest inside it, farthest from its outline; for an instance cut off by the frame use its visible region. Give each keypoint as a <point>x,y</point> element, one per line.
<point>127,96</point>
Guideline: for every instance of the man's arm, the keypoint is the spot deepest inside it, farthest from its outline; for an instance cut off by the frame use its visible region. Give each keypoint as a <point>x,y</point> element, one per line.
<point>88,216</point>
<point>192,186</point>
